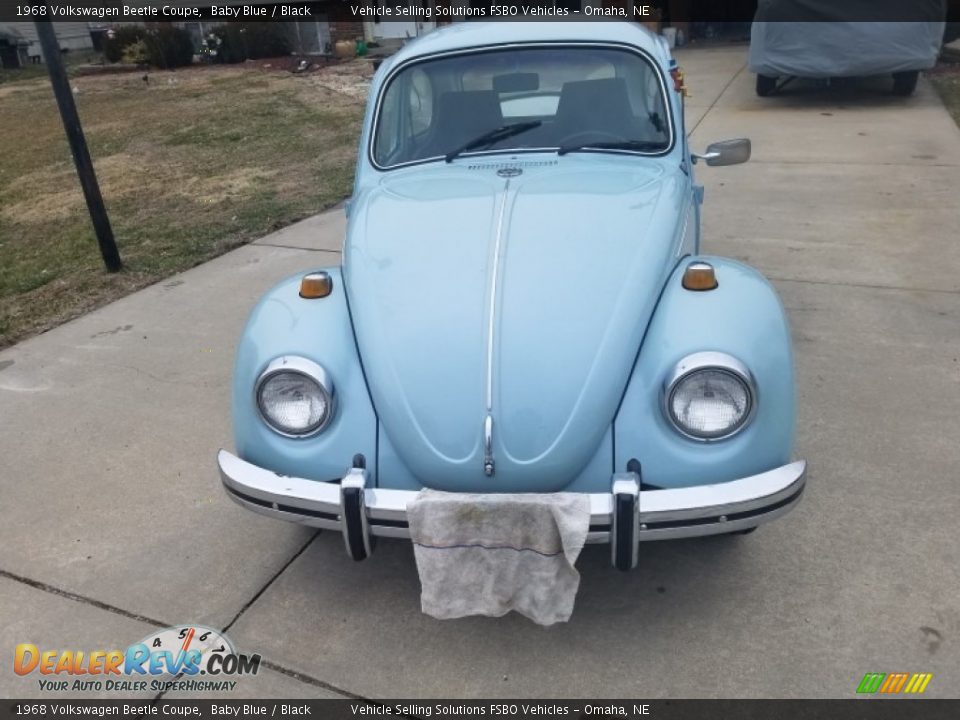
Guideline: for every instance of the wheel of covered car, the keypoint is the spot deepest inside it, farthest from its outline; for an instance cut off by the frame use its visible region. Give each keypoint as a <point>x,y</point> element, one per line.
<point>766,85</point>
<point>582,136</point>
<point>904,83</point>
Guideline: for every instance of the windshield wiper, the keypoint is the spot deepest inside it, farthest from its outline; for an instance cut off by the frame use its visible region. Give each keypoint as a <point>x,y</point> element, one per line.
<point>640,145</point>
<point>492,136</point>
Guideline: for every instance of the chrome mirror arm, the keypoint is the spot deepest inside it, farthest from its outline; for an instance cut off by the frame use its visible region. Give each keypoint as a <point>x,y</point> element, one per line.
<point>708,156</point>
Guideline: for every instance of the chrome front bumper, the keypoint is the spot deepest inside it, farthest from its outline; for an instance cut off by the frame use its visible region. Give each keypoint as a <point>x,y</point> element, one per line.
<point>623,517</point>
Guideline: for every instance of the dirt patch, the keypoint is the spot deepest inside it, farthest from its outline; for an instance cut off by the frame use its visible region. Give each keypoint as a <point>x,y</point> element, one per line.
<point>230,184</point>
<point>121,176</point>
<point>12,89</point>
<point>351,78</point>
<point>60,194</point>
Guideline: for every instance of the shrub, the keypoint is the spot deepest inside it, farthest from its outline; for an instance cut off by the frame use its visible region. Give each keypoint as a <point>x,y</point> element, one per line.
<point>251,41</point>
<point>169,47</point>
<point>118,38</point>
<point>135,53</point>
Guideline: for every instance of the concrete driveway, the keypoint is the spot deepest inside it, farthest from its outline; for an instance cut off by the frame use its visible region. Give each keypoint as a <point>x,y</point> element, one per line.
<point>112,521</point>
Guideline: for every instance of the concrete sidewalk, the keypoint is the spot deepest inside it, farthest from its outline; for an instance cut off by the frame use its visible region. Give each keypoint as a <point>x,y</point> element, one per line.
<point>112,521</point>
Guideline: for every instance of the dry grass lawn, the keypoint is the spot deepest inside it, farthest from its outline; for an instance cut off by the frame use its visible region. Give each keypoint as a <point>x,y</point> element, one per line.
<point>191,164</point>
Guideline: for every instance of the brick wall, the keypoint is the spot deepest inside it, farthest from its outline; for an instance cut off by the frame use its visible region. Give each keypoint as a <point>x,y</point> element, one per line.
<point>345,30</point>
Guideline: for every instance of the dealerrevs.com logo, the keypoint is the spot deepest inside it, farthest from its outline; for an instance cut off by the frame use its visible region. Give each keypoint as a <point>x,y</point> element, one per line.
<point>191,658</point>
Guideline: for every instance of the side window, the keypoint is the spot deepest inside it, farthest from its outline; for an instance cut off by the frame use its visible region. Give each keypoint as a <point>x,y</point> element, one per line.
<point>388,128</point>
<point>420,98</point>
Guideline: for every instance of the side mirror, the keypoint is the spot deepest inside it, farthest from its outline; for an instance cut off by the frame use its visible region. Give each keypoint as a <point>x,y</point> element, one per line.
<point>727,152</point>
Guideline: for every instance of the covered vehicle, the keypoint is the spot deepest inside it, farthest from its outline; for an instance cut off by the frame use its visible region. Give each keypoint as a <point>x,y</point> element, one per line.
<point>827,39</point>
<point>523,307</point>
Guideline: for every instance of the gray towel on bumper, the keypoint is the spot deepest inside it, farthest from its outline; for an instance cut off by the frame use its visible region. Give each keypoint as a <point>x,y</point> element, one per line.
<point>488,554</point>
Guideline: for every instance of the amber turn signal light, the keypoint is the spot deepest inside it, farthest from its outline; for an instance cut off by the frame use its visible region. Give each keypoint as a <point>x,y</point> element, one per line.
<point>316,285</point>
<point>679,82</point>
<point>699,276</point>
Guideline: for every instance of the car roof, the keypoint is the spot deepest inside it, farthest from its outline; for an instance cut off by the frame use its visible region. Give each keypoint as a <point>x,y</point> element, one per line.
<point>465,35</point>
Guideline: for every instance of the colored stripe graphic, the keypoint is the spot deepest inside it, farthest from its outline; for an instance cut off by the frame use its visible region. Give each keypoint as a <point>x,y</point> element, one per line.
<point>871,683</point>
<point>918,683</point>
<point>894,683</point>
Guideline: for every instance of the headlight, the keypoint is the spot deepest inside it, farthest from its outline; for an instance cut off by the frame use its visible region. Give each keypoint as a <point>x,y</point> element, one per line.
<point>709,396</point>
<point>295,396</point>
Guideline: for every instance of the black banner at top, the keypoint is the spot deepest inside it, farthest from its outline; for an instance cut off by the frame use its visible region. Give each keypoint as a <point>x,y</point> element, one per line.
<point>106,12</point>
<point>851,10</point>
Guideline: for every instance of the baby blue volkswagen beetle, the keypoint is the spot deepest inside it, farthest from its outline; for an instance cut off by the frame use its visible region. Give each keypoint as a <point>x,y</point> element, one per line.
<point>522,308</point>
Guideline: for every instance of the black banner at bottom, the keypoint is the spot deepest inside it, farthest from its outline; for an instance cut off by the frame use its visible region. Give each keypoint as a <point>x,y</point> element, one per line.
<point>858,709</point>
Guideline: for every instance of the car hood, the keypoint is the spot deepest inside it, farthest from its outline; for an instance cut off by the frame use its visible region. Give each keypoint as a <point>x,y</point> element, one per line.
<point>476,290</point>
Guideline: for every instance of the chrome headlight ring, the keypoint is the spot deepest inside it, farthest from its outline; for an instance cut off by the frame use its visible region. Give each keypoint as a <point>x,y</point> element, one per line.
<point>723,368</point>
<point>312,377</point>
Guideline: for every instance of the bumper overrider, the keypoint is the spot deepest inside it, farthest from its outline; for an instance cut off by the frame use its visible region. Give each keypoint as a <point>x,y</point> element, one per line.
<point>623,517</point>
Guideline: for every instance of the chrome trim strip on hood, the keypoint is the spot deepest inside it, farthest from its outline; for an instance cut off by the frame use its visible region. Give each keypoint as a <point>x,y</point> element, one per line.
<point>494,277</point>
<point>489,464</point>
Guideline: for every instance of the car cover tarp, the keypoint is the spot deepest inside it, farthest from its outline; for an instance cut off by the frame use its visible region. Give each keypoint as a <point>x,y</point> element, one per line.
<point>826,38</point>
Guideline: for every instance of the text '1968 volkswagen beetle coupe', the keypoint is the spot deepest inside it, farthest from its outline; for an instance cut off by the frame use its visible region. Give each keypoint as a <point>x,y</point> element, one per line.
<point>522,307</point>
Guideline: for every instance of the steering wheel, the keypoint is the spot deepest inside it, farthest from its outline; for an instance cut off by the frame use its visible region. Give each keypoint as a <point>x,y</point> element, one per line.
<point>593,136</point>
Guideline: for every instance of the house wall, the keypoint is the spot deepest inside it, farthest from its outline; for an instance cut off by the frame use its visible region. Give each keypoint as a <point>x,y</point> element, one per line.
<point>310,36</point>
<point>71,35</point>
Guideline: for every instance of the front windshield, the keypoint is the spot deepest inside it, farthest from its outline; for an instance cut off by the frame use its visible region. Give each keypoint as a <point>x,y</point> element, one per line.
<point>571,97</point>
